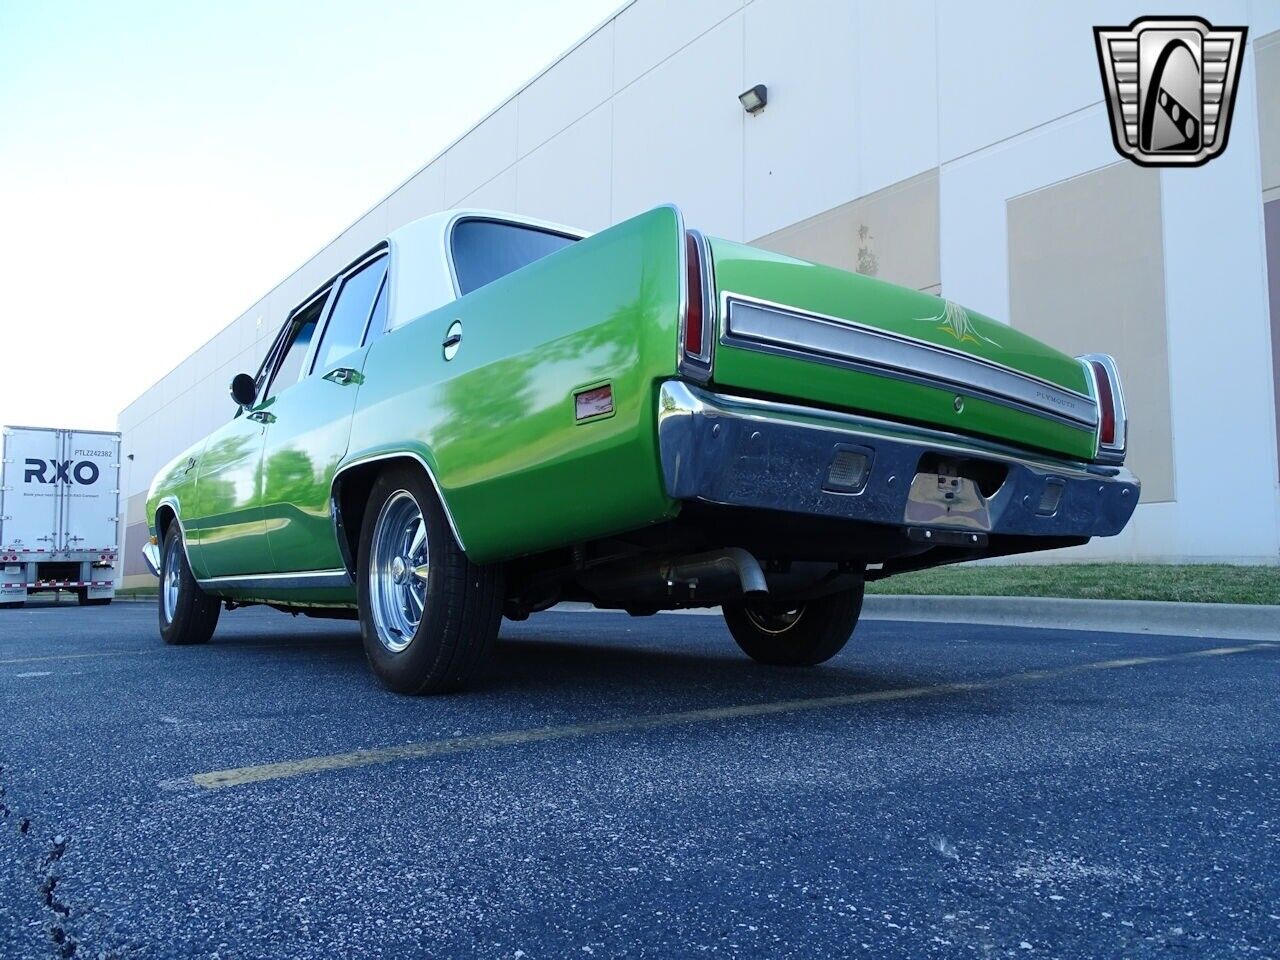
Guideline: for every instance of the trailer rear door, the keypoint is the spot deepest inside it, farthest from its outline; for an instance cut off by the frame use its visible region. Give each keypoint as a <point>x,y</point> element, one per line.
<point>32,500</point>
<point>90,490</point>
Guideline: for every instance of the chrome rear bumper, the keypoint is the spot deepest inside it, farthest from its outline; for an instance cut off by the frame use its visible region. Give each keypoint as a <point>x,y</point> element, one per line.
<point>151,554</point>
<point>744,452</point>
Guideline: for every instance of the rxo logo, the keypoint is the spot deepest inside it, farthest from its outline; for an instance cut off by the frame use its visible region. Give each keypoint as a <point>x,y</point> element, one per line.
<point>84,473</point>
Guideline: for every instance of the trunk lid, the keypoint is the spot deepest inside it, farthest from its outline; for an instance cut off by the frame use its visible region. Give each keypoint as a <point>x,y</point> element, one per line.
<point>805,332</point>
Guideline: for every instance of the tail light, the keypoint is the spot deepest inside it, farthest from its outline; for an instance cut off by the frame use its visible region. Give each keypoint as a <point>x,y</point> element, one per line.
<point>695,329</point>
<point>1112,418</point>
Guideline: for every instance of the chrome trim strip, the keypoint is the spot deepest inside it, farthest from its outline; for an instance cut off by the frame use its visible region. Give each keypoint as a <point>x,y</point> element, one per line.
<point>314,580</point>
<point>755,324</point>
<point>172,504</point>
<point>396,455</point>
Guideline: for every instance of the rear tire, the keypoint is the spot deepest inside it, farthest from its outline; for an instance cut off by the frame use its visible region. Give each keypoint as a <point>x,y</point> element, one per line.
<point>428,615</point>
<point>803,636</point>
<point>187,614</point>
<point>13,605</point>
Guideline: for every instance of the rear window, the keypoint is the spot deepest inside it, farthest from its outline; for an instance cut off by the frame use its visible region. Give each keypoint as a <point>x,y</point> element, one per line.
<point>484,250</point>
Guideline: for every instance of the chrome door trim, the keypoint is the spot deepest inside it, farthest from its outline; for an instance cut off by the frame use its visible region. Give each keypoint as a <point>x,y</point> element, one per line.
<point>313,580</point>
<point>834,340</point>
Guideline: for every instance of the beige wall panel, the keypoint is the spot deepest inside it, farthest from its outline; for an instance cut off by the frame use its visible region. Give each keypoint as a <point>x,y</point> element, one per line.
<point>891,234</point>
<point>1086,274</point>
<point>136,509</point>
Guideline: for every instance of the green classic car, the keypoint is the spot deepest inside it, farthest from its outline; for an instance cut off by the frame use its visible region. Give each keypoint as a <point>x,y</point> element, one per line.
<point>485,415</point>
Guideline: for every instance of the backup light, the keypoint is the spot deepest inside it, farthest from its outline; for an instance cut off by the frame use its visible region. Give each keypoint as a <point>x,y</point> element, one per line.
<point>848,471</point>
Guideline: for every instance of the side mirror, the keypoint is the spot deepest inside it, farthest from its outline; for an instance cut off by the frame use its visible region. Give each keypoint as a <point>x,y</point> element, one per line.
<point>244,389</point>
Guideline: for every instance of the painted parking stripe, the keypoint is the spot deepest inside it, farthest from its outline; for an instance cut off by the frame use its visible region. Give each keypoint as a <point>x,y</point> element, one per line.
<point>73,656</point>
<point>240,776</point>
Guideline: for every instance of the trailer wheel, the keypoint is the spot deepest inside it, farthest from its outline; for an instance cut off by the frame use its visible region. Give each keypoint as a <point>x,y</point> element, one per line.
<point>13,605</point>
<point>187,613</point>
<point>428,615</point>
<point>83,598</point>
<point>801,637</point>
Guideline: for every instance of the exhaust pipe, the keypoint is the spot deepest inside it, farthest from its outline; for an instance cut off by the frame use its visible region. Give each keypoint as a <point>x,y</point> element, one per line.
<point>699,580</point>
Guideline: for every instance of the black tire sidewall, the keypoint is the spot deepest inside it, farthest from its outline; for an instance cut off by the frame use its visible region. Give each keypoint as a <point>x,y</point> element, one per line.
<point>426,662</point>
<point>821,632</point>
<point>195,613</point>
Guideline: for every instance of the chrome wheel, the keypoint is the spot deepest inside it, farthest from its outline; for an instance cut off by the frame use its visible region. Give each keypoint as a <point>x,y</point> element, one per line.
<point>172,580</point>
<point>775,623</point>
<point>398,571</point>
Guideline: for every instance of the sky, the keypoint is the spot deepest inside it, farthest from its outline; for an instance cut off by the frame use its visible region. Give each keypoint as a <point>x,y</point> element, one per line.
<point>163,165</point>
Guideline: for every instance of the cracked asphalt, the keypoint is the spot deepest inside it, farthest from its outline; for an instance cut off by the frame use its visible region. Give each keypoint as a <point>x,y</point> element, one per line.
<point>620,787</point>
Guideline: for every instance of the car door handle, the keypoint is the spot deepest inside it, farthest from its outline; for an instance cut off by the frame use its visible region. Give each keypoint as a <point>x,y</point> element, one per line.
<point>262,416</point>
<point>452,340</point>
<point>343,376</point>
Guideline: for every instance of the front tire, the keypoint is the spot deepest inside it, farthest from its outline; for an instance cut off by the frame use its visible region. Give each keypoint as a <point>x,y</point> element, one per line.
<point>187,614</point>
<point>428,615</point>
<point>801,636</point>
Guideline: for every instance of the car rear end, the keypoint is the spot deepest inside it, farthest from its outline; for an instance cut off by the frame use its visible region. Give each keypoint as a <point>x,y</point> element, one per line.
<point>814,392</point>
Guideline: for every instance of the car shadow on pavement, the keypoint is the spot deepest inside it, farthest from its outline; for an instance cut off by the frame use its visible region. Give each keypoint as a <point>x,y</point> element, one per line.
<point>544,663</point>
<point>540,660</point>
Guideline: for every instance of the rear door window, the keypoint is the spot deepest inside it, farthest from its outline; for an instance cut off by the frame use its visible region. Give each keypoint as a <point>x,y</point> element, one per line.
<point>485,250</point>
<point>349,318</point>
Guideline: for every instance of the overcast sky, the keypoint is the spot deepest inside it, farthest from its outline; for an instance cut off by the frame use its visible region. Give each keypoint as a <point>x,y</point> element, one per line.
<point>163,165</point>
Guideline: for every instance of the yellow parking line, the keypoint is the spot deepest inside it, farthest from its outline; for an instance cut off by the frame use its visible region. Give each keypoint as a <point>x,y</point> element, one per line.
<point>239,776</point>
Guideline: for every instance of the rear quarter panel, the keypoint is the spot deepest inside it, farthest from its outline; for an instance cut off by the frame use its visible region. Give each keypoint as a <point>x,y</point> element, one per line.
<point>497,424</point>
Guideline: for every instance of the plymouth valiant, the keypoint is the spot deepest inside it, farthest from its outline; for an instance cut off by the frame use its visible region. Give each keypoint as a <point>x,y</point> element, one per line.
<point>486,415</point>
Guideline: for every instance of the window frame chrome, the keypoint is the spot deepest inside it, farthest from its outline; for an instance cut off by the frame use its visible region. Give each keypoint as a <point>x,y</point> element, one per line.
<point>337,282</point>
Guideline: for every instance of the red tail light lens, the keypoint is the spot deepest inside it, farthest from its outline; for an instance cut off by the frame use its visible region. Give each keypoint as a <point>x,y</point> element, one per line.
<point>693,315</point>
<point>1106,405</point>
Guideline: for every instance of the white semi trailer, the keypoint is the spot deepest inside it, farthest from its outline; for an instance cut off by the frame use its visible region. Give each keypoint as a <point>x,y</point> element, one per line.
<point>59,513</point>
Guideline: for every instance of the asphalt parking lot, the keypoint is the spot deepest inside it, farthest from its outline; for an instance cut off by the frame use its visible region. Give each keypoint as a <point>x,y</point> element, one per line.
<point>620,787</point>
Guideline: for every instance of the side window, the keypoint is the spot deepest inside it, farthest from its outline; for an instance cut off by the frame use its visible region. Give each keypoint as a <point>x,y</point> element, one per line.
<point>350,315</point>
<point>484,250</point>
<point>297,342</point>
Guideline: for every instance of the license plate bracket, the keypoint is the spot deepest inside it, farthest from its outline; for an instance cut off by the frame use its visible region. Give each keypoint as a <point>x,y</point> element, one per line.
<point>942,500</point>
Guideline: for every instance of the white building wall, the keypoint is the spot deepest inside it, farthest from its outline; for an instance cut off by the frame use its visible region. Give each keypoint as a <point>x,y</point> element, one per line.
<point>1003,97</point>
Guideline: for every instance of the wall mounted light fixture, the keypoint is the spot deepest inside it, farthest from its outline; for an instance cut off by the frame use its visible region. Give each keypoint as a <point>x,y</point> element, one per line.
<point>754,100</point>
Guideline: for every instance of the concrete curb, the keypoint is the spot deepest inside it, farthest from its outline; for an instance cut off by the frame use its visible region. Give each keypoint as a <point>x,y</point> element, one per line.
<point>1224,621</point>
